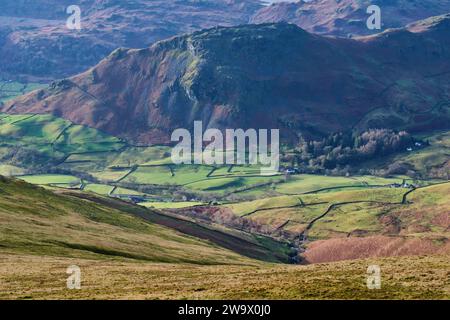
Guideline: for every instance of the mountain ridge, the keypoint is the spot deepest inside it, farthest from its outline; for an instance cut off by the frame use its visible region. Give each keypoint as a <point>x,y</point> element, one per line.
<point>38,45</point>
<point>347,18</point>
<point>260,76</point>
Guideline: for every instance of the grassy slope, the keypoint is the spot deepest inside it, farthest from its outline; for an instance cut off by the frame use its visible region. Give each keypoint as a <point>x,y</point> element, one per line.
<point>426,213</point>
<point>430,161</point>
<point>53,136</point>
<point>378,194</point>
<point>33,277</point>
<point>308,183</point>
<point>10,170</point>
<point>254,246</point>
<point>352,224</point>
<point>50,179</point>
<point>10,90</point>
<point>170,205</point>
<point>85,150</point>
<point>101,189</point>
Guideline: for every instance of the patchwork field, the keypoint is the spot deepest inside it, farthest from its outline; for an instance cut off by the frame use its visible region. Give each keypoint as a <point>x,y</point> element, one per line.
<point>118,245</point>
<point>364,172</point>
<point>170,205</point>
<point>37,221</point>
<point>433,161</point>
<point>215,231</point>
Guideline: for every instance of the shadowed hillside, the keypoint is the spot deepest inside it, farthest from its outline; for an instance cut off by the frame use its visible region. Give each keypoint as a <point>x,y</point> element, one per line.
<point>36,43</point>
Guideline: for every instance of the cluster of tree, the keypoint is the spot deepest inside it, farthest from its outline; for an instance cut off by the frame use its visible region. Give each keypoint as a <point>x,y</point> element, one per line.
<point>341,151</point>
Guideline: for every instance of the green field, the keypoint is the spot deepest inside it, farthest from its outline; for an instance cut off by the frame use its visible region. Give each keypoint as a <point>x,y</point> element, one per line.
<point>10,170</point>
<point>346,211</point>
<point>125,191</point>
<point>143,156</point>
<point>118,245</point>
<point>150,175</point>
<point>43,223</point>
<point>308,183</point>
<point>10,89</point>
<point>110,175</point>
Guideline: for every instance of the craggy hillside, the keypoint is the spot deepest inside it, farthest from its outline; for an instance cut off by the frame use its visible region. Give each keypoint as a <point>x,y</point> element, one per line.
<point>35,42</point>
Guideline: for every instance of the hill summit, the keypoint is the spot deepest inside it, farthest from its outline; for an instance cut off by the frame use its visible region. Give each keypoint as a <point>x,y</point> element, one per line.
<point>261,76</point>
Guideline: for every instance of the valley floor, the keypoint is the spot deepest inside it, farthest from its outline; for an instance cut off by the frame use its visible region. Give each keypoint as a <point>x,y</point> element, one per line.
<point>35,277</point>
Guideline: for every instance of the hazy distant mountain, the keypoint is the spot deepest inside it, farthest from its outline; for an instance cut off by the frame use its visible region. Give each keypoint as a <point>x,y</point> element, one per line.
<point>263,76</point>
<point>34,39</point>
<point>348,17</point>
